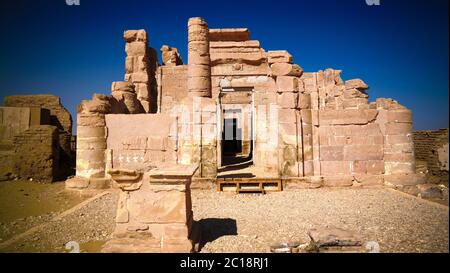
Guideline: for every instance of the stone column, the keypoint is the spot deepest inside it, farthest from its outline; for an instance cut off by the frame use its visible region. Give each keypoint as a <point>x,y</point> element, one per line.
<point>199,63</point>
<point>91,144</point>
<point>138,67</point>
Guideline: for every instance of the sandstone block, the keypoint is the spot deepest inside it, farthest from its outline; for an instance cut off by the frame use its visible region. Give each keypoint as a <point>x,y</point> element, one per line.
<point>135,35</point>
<point>286,69</point>
<point>122,86</point>
<point>287,100</point>
<point>399,116</point>
<point>304,101</point>
<point>335,167</point>
<point>347,116</point>
<point>394,128</point>
<point>357,84</point>
<point>399,167</point>
<point>287,116</point>
<point>399,180</point>
<point>368,180</point>
<point>287,84</point>
<point>363,152</point>
<point>279,56</point>
<point>331,153</point>
<point>338,181</point>
<point>136,49</point>
<point>140,77</point>
<point>375,166</point>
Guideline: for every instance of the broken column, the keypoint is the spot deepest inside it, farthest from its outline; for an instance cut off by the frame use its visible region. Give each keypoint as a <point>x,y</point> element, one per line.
<point>170,56</point>
<point>396,126</point>
<point>91,143</point>
<point>138,67</point>
<point>126,100</point>
<point>199,67</point>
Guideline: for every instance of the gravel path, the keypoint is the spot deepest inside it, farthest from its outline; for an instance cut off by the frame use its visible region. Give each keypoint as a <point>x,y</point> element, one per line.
<point>90,226</point>
<point>253,222</point>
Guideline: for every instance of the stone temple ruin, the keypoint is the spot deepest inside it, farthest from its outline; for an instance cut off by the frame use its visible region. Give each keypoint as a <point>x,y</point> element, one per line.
<point>35,139</point>
<point>236,117</point>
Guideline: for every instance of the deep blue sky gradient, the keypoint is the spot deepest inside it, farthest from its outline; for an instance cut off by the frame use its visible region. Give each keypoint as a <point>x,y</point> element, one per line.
<point>399,48</point>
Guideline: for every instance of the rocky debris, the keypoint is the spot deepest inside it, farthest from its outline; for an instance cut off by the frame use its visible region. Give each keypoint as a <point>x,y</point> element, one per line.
<point>324,240</point>
<point>334,237</point>
<point>428,191</point>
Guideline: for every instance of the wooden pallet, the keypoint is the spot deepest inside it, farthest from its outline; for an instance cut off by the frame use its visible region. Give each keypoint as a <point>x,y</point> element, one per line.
<point>239,185</point>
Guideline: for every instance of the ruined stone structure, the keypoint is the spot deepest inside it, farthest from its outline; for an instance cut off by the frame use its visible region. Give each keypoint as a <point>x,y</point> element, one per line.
<point>35,138</point>
<point>431,150</point>
<point>236,110</point>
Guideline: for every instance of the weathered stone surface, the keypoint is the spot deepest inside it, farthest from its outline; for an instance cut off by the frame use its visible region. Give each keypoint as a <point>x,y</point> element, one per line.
<point>348,116</point>
<point>170,56</point>
<point>122,86</point>
<point>136,49</point>
<point>279,56</point>
<point>286,69</point>
<point>155,216</point>
<point>229,34</point>
<point>399,180</point>
<point>335,237</point>
<point>59,115</point>
<point>338,181</point>
<point>432,147</point>
<point>287,84</point>
<point>199,81</point>
<point>36,154</point>
<point>135,36</point>
<point>356,84</point>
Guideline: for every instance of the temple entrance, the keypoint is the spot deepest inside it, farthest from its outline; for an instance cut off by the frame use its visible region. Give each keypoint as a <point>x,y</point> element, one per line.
<point>236,143</point>
<point>232,137</point>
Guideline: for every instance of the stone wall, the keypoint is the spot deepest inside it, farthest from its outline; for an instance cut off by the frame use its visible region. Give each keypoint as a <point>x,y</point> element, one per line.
<point>172,86</point>
<point>141,142</point>
<point>58,116</point>
<point>36,153</point>
<point>431,147</point>
<point>310,126</point>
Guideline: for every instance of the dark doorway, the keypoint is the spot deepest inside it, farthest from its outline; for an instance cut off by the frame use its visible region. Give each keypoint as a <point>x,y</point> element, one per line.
<point>232,140</point>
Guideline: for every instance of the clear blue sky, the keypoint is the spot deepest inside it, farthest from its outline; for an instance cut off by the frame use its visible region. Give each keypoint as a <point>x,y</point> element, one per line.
<point>399,48</point>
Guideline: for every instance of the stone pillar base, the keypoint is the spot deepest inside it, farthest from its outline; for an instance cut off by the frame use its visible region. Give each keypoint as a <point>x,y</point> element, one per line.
<point>154,212</point>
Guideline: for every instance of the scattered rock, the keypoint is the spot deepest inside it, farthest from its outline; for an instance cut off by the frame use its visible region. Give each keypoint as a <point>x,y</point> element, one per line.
<point>334,237</point>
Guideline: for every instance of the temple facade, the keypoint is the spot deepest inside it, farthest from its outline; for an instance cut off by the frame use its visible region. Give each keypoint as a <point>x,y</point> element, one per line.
<point>236,111</point>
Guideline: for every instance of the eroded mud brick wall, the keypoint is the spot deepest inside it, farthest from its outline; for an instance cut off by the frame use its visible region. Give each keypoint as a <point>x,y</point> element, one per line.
<point>45,109</point>
<point>14,121</point>
<point>432,147</point>
<point>36,153</point>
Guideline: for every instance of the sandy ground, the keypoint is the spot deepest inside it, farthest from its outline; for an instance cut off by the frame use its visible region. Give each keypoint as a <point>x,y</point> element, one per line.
<point>24,204</point>
<point>253,222</point>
